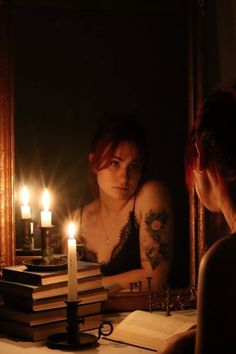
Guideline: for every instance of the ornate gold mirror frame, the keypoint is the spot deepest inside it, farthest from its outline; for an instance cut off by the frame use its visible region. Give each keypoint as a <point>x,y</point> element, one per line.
<point>196,55</point>
<point>7,223</point>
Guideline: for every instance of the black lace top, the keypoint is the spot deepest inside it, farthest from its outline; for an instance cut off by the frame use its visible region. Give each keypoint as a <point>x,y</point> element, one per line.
<point>125,255</point>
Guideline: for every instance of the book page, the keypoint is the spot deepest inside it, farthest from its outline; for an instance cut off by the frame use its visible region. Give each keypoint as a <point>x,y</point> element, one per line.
<point>151,329</point>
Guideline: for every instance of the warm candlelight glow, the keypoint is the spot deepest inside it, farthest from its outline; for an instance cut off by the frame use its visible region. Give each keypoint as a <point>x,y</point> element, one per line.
<point>71,230</point>
<point>46,200</point>
<point>46,215</point>
<point>72,264</point>
<point>25,196</point>
<point>25,208</point>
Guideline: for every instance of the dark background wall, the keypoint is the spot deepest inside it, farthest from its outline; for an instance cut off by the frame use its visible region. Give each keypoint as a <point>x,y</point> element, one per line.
<point>73,61</point>
<point>220,43</point>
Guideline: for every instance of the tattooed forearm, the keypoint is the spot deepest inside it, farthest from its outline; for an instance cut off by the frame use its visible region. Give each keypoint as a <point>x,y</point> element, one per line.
<point>156,250</point>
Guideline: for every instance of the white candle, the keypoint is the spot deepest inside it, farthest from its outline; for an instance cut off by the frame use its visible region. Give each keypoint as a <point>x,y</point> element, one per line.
<point>46,214</point>
<point>31,228</point>
<point>72,264</point>
<point>25,208</point>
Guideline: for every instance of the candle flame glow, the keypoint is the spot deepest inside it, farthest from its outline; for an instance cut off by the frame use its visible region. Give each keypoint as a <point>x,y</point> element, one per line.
<point>46,200</point>
<point>25,196</point>
<point>71,230</point>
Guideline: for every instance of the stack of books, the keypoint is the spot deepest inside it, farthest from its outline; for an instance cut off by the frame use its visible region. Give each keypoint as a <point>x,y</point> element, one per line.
<point>34,303</point>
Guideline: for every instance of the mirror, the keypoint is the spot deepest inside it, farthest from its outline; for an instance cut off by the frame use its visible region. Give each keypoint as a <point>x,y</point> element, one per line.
<point>212,49</point>
<point>73,62</point>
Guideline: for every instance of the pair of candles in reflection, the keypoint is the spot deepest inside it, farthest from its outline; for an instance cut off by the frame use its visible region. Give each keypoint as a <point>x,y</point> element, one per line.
<point>46,214</point>
<point>46,221</point>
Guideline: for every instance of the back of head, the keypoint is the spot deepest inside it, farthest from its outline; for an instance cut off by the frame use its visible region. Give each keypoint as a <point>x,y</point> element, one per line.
<point>214,136</point>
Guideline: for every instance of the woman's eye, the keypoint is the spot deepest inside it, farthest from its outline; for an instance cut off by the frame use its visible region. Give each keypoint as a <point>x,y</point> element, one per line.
<point>134,167</point>
<point>114,163</point>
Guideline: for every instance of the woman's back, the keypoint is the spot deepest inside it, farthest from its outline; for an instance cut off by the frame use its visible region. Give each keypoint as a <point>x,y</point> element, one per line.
<point>217,299</point>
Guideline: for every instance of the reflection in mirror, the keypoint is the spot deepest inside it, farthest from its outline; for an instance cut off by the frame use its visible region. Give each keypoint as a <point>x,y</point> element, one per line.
<point>74,64</point>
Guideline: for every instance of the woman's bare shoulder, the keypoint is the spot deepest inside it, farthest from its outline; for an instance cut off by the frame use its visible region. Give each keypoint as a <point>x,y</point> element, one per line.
<point>153,195</point>
<point>153,189</point>
<point>86,210</point>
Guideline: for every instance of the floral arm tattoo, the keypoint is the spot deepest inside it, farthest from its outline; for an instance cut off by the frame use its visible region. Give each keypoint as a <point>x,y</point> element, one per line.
<point>157,249</point>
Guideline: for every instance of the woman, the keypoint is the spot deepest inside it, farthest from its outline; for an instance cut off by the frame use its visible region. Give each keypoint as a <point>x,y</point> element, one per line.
<point>211,166</point>
<point>128,227</point>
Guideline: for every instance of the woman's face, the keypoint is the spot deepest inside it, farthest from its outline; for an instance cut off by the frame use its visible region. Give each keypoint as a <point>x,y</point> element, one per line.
<point>120,178</point>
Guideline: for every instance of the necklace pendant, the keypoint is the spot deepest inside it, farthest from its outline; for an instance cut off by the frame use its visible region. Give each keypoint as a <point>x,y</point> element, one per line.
<point>107,241</point>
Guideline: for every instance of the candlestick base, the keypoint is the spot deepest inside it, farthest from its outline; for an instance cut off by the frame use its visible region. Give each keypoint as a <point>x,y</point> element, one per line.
<point>48,260</point>
<point>37,264</point>
<point>46,250</point>
<point>61,341</point>
<point>73,338</point>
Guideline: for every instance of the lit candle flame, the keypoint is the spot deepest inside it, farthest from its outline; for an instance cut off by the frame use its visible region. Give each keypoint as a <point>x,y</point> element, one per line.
<point>46,200</point>
<point>25,196</point>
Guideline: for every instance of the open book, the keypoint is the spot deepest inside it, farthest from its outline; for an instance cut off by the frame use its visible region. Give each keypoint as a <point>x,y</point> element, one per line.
<point>149,330</point>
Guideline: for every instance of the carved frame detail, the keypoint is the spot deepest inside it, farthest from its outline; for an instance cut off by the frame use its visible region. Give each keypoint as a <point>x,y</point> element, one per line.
<point>7,219</point>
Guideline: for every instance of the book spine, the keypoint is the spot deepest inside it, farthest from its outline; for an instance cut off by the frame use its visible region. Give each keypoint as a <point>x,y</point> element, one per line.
<point>36,318</point>
<point>41,332</point>
<point>28,304</point>
<point>46,291</point>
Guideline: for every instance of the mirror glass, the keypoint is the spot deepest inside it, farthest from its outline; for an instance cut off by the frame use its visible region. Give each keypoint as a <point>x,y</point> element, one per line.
<point>74,62</point>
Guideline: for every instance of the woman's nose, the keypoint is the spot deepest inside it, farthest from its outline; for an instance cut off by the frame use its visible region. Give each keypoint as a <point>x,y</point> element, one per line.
<point>124,174</point>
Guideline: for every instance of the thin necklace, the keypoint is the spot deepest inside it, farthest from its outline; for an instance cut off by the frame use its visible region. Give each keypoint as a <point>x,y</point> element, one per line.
<point>109,233</point>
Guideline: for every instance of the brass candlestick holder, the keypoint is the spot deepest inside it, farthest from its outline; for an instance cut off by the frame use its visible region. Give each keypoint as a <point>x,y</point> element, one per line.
<point>48,261</point>
<point>73,338</point>
<point>47,250</point>
<point>28,241</point>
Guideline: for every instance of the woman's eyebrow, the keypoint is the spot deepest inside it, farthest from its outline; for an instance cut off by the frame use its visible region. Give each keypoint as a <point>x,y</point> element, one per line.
<point>121,159</point>
<point>117,157</point>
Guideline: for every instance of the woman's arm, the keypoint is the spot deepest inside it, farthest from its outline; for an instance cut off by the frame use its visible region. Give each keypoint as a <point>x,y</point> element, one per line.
<point>156,231</point>
<point>154,212</point>
<point>183,343</point>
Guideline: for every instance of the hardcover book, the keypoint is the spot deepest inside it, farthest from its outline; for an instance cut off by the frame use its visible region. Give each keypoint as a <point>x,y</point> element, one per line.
<point>29,304</point>
<point>50,290</point>
<point>40,332</point>
<point>33,318</point>
<point>21,274</point>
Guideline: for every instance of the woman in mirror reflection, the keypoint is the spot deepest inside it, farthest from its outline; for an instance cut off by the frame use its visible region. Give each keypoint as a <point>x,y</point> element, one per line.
<point>211,167</point>
<point>128,226</point>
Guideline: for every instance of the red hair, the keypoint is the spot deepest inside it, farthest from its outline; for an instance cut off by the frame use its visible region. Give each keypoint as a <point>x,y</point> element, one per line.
<point>113,130</point>
<point>214,137</point>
